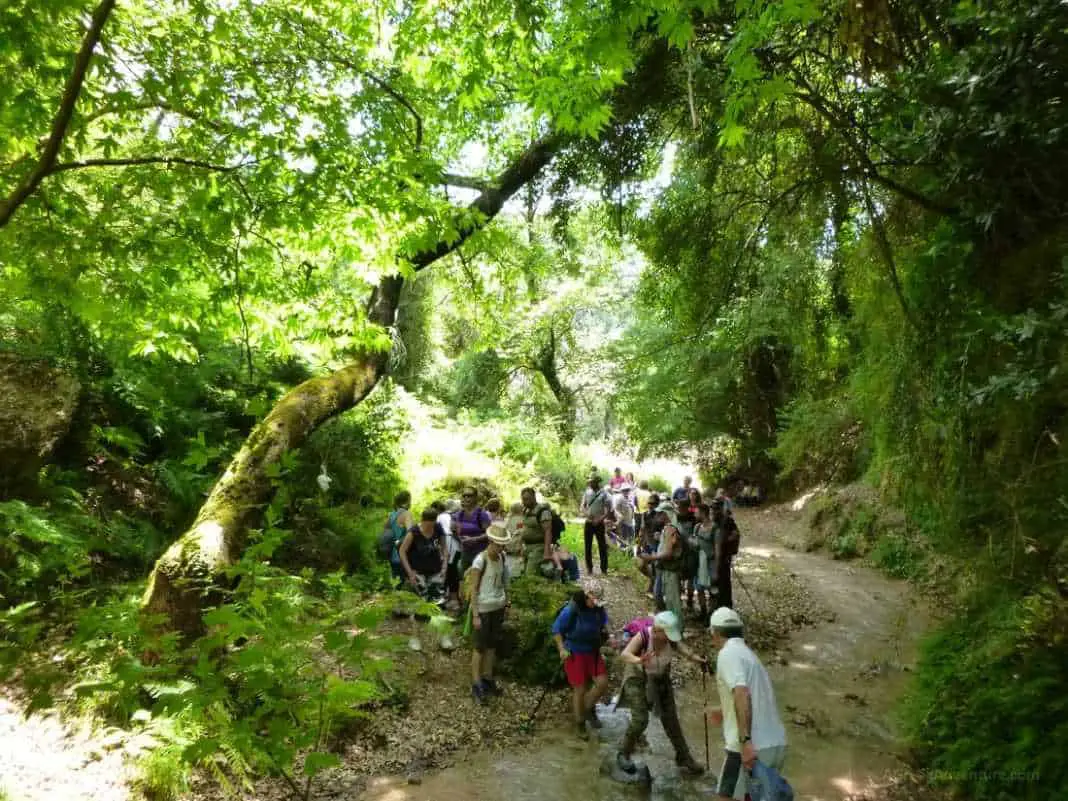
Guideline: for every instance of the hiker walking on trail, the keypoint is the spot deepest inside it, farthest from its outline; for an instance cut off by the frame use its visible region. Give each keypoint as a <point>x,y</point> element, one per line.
<point>596,508</point>
<point>617,481</point>
<point>489,600</point>
<point>624,509</point>
<point>728,539</point>
<point>647,686</point>
<point>704,533</point>
<point>682,493</point>
<point>669,560</point>
<point>424,555</point>
<point>397,524</point>
<point>470,524</point>
<point>579,631</point>
<point>752,728</point>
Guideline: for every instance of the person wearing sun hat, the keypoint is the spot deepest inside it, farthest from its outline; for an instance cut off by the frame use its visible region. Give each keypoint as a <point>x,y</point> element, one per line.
<point>752,728</point>
<point>647,686</point>
<point>489,599</point>
<point>579,631</point>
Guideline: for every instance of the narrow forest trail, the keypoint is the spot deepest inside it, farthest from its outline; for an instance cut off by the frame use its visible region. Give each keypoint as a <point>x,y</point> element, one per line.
<point>837,683</point>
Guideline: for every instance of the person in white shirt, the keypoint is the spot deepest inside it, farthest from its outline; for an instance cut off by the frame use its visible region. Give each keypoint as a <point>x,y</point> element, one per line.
<point>752,728</point>
<point>489,599</point>
<point>596,508</point>
<point>624,509</point>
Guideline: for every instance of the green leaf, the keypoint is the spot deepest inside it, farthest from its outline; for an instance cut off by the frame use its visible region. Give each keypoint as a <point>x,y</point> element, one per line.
<point>317,761</point>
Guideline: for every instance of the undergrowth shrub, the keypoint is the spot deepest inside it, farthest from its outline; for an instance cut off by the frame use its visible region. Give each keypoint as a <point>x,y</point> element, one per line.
<point>822,441</point>
<point>659,484</point>
<point>988,707</point>
<point>559,473</point>
<point>529,655</point>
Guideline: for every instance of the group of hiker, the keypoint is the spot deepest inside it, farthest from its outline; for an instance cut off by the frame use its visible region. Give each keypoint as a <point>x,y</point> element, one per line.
<point>753,733</point>
<point>463,552</point>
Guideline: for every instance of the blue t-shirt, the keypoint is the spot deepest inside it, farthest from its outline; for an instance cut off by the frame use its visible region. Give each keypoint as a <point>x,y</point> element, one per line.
<point>581,628</point>
<point>680,494</point>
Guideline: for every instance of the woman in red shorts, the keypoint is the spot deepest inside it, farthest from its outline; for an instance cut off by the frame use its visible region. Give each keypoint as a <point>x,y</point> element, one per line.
<point>579,631</point>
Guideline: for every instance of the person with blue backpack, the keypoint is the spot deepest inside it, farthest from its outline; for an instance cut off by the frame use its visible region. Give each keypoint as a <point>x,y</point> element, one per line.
<point>580,629</point>
<point>753,732</point>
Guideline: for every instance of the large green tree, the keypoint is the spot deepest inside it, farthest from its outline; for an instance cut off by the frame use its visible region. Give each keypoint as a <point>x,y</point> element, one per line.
<point>289,160</point>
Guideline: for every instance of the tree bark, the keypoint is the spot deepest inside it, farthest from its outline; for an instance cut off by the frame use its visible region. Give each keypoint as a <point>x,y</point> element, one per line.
<point>61,122</point>
<point>186,578</point>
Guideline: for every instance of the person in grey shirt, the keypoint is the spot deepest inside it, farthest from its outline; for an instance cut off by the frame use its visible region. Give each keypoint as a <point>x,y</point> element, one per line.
<point>596,508</point>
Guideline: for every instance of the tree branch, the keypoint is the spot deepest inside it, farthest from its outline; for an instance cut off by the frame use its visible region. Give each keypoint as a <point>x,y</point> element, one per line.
<point>886,251</point>
<point>466,181</point>
<point>389,90</point>
<point>71,91</point>
<point>134,161</point>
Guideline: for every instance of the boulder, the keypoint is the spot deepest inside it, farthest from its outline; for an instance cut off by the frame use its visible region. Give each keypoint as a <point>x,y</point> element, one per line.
<point>37,404</point>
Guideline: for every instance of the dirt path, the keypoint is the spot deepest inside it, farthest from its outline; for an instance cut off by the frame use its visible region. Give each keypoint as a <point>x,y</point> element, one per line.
<point>42,759</point>
<point>836,680</point>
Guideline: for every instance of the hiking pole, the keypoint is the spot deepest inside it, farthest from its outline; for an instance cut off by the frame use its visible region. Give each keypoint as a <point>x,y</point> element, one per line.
<point>534,713</point>
<point>748,595</point>
<point>704,715</point>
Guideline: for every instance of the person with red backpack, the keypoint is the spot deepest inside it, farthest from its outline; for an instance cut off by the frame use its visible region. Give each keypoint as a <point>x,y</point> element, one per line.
<point>648,657</point>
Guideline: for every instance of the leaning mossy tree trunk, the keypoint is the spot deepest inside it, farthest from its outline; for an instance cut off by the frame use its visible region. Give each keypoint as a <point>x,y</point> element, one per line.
<point>184,578</point>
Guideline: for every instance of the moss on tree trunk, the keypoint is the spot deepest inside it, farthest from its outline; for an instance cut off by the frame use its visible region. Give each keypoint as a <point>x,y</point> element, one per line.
<point>183,577</point>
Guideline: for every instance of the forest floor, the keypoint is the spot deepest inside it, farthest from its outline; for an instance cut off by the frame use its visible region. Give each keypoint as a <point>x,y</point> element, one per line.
<point>838,638</point>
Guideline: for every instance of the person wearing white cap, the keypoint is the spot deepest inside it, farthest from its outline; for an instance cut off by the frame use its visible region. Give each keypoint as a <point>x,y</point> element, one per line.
<point>647,684</point>
<point>752,728</point>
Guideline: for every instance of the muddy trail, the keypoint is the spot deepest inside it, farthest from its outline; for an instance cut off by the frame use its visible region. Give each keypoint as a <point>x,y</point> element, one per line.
<point>838,675</point>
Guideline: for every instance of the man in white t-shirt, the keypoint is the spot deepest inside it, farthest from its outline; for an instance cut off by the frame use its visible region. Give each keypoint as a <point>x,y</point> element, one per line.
<point>752,728</point>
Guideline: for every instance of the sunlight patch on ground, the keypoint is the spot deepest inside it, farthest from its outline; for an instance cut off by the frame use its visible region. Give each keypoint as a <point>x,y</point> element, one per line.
<point>799,504</point>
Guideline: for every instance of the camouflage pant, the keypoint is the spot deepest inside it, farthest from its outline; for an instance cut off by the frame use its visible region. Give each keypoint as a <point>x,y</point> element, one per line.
<point>636,695</point>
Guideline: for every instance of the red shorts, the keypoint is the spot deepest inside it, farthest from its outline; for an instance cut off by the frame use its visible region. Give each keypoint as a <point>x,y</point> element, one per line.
<point>581,668</point>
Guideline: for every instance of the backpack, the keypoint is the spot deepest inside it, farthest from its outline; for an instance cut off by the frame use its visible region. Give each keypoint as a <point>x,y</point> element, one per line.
<point>558,524</point>
<point>732,537</point>
<point>767,784</point>
<point>391,537</point>
<point>565,633</point>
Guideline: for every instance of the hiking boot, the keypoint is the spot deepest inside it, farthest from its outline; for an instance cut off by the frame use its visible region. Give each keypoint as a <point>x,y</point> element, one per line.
<point>478,692</point>
<point>489,687</point>
<point>625,763</point>
<point>687,767</point>
<point>580,730</point>
<point>593,720</point>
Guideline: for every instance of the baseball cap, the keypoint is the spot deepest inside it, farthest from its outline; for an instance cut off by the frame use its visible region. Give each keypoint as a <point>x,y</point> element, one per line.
<point>725,618</point>
<point>670,624</point>
<point>594,589</point>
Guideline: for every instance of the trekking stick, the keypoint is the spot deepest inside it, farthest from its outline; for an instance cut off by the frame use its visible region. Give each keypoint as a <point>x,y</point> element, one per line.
<point>748,595</point>
<point>534,713</point>
<point>704,714</point>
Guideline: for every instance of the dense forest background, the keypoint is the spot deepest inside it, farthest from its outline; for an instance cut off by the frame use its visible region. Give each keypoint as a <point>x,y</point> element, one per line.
<point>249,251</point>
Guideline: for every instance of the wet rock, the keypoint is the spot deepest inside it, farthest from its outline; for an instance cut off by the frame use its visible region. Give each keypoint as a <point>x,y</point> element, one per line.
<point>640,777</point>
<point>37,404</point>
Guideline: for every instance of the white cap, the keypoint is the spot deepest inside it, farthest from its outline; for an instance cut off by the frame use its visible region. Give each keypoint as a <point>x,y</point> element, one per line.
<point>670,624</point>
<point>725,618</point>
